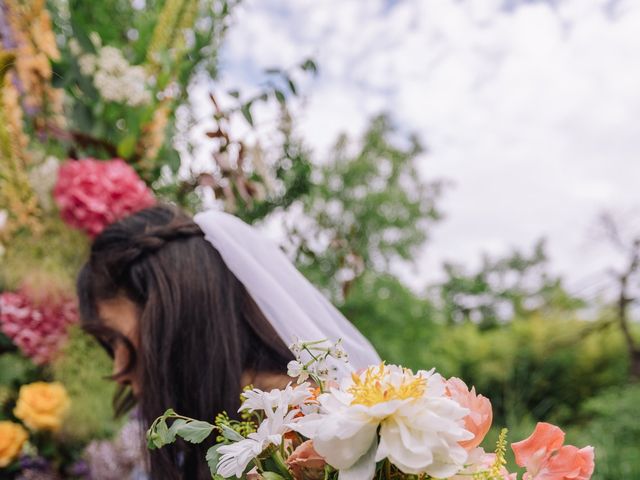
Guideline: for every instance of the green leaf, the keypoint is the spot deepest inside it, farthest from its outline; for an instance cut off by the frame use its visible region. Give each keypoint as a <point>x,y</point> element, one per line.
<point>213,457</point>
<point>280,96</point>
<point>195,432</point>
<point>234,93</point>
<point>309,66</point>
<point>152,440</point>
<point>272,476</point>
<point>176,425</point>
<point>127,146</point>
<point>171,158</point>
<point>162,430</point>
<point>246,112</point>
<point>292,86</point>
<point>230,434</point>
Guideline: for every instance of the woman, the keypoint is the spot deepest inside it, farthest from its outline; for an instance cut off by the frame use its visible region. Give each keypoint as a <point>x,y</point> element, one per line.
<point>192,311</point>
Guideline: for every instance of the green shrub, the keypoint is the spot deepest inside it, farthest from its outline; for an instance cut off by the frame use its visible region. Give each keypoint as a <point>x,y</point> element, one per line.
<point>612,427</point>
<point>542,366</point>
<point>391,316</point>
<point>83,370</point>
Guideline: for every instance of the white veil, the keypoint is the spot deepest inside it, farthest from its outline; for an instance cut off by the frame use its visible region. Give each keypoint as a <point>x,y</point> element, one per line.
<point>295,308</point>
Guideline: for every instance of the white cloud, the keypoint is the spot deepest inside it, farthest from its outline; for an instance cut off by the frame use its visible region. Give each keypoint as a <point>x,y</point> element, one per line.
<point>532,110</point>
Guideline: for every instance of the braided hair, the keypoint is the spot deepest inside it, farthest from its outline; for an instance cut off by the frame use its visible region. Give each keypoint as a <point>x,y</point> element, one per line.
<point>198,327</point>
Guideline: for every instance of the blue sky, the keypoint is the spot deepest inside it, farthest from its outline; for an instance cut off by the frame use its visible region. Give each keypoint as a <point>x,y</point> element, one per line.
<point>529,108</point>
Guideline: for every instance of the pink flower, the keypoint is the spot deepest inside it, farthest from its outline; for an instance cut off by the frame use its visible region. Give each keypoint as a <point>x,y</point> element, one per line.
<point>545,458</point>
<point>480,416</point>
<point>305,463</point>
<point>91,194</point>
<point>37,329</point>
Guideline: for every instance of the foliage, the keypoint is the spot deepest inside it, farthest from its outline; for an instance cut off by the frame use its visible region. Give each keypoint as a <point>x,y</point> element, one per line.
<point>292,176</point>
<point>612,428</point>
<point>83,368</point>
<point>532,365</point>
<point>398,323</point>
<point>369,206</point>
<point>167,39</point>
<point>56,251</point>
<point>515,285</point>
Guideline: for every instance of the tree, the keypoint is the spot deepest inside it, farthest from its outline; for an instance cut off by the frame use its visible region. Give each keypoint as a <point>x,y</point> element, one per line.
<point>515,285</point>
<point>398,322</point>
<point>626,280</point>
<point>368,206</point>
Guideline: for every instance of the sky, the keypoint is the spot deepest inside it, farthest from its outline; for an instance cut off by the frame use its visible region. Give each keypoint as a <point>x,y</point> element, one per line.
<point>529,109</point>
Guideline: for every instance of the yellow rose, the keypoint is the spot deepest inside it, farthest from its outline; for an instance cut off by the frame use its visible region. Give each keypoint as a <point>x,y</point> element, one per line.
<point>12,437</point>
<point>42,405</point>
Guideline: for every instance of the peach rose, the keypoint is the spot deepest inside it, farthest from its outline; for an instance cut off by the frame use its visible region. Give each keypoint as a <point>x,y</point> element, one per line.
<point>305,463</point>
<point>480,416</point>
<point>545,458</point>
<point>12,438</point>
<point>41,405</point>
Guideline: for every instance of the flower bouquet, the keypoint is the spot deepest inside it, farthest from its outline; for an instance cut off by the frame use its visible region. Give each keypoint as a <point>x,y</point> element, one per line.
<point>384,422</point>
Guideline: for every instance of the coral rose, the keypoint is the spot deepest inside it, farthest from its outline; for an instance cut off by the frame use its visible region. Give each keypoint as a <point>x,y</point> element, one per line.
<point>12,438</point>
<point>305,463</point>
<point>41,405</point>
<point>544,457</point>
<point>91,193</point>
<point>479,419</point>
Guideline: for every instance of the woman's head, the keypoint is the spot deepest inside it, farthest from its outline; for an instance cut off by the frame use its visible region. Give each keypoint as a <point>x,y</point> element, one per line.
<point>180,326</point>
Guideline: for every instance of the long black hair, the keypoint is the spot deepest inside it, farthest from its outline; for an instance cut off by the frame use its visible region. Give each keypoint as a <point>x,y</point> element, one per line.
<point>198,327</point>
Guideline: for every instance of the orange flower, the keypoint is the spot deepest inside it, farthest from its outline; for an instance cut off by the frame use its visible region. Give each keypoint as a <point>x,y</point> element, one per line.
<point>480,416</point>
<point>544,457</point>
<point>305,463</point>
<point>12,438</point>
<point>41,405</point>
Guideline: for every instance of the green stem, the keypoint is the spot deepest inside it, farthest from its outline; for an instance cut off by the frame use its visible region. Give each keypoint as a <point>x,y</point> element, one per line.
<point>282,467</point>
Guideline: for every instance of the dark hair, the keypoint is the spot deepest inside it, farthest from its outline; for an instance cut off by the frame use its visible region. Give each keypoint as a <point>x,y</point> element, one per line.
<point>199,328</point>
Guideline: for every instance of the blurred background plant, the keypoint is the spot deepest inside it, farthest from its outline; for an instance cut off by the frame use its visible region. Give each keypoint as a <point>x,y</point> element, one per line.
<point>115,79</point>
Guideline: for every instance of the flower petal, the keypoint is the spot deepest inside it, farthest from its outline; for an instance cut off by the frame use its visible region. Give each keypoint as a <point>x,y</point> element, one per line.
<point>343,440</point>
<point>534,451</point>
<point>364,468</point>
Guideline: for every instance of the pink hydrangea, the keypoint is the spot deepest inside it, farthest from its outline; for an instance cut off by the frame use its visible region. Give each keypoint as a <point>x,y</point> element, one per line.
<point>92,194</point>
<point>38,330</point>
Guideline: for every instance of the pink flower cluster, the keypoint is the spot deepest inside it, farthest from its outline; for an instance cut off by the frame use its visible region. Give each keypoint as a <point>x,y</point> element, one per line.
<point>92,194</point>
<point>37,329</point>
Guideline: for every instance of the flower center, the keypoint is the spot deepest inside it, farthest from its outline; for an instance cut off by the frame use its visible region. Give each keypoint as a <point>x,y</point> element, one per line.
<point>377,387</point>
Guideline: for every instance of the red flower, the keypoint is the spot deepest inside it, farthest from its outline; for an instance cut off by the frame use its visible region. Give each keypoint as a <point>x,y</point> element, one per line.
<point>92,194</point>
<point>38,330</point>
